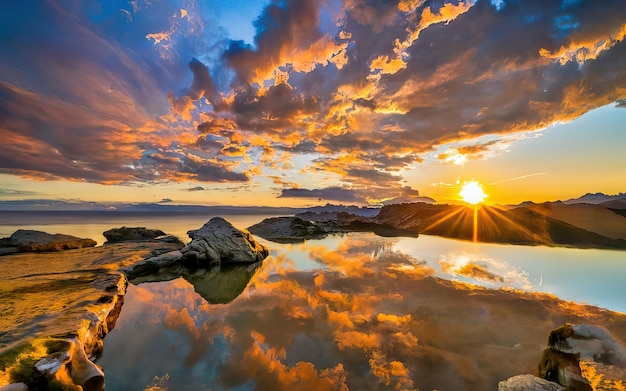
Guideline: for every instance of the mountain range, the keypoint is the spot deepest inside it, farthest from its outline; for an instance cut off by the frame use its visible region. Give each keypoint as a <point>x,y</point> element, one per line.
<point>552,223</point>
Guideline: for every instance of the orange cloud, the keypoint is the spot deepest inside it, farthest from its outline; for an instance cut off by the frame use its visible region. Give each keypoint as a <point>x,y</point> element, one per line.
<point>585,48</point>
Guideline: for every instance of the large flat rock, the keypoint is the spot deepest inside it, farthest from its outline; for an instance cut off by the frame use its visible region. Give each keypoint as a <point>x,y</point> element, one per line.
<point>39,241</point>
<point>57,307</point>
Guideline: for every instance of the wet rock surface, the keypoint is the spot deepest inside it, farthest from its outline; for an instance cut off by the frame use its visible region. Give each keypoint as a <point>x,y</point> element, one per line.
<point>310,225</point>
<point>579,357</point>
<point>38,241</point>
<point>53,318</point>
<point>126,234</point>
<point>219,242</point>
<point>288,229</point>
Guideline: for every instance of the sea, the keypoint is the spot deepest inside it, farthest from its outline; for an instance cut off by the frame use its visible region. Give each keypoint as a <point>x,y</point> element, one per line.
<point>172,336</point>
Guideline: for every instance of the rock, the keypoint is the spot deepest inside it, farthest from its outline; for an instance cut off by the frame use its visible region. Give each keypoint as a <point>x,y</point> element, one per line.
<point>14,387</point>
<point>153,264</point>
<point>38,241</point>
<point>592,343</point>
<point>577,356</point>
<point>219,242</point>
<point>528,383</point>
<point>125,234</point>
<point>168,239</point>
<point>9,250</point>
<point>54,332</point>
<point>73,364</point>
<point>288,229</point>
<point>563,369</point>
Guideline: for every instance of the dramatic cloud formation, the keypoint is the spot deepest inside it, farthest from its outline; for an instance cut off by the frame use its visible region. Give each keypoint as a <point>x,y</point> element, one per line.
<point>337,98</point>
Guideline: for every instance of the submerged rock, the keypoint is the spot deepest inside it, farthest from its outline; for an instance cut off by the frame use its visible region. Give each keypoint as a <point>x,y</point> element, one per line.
<point>126,234</point>
<point>38,241</point>
<point>219,242</point>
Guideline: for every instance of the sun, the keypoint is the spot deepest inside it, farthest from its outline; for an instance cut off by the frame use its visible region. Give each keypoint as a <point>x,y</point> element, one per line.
<point>472,193</point>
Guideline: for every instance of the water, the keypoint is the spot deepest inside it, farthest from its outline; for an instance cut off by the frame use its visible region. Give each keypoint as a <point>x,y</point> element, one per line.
<point>92,225</point>
<point>353,311</point>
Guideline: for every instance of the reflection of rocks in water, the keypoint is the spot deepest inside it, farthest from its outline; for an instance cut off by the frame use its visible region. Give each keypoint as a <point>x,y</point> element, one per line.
<point>373,318</point>
<point>53,318</point>
<point>217,285</point>
<point>222,285</point>
<point>307,226</point>
<point>56,309</point>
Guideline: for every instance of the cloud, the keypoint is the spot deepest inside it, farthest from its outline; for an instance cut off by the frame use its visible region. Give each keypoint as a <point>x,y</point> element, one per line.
<point>17,192</point>
<point>91,108</point>
<point>370,195</point>
<point>196,188</point>
<point>287,33</point>
<point>330,193</point>
<point>144,92</point>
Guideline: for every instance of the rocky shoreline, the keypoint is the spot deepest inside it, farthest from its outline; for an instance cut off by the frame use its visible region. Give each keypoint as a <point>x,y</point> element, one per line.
<point>523,225</point>
<point>53,322</point>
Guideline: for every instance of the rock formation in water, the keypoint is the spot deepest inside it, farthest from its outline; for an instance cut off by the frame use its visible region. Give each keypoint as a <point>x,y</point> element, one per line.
<point>577,354</point>
<point>38,241</point>
<point>310,225</point>
<point>53,321</point>
<point>219,242</point>
<point>288,229</point>
<point>50,340</point>
<point>126,234</point>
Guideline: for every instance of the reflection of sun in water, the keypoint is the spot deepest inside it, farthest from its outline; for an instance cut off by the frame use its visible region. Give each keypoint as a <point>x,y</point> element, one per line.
<point>472,193</point>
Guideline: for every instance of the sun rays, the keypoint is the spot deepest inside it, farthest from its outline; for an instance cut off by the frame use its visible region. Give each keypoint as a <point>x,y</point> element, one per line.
<point>472,193</point>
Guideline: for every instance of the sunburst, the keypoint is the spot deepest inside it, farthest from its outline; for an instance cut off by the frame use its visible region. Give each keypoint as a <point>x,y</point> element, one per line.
<point>472,193</point>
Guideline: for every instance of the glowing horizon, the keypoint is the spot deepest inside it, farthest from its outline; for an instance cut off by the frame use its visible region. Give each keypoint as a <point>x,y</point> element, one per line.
<point>472,193</point>
<point>302,102</point>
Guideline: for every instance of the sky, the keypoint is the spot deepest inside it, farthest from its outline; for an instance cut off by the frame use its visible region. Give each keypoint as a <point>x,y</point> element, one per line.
<point>302,102</point>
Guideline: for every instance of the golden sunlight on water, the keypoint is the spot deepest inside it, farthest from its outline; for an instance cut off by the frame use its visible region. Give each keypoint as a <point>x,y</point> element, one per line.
<point>369,316</point>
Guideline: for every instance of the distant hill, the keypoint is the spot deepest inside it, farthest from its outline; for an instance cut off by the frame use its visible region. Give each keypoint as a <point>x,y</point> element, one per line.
<point>591,217</point>
<point>351,209</point>
<point>521,225</point>
<point>595,198</point>
<point>58,206</point>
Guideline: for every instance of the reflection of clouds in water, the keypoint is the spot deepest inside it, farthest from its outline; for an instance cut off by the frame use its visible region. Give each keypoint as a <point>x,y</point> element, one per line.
<point>369,318</point>
<point>486,270</point>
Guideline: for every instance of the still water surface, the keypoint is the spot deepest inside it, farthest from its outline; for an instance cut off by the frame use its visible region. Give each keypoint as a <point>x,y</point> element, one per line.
<point>352,309</point>
<point>588,276</point>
